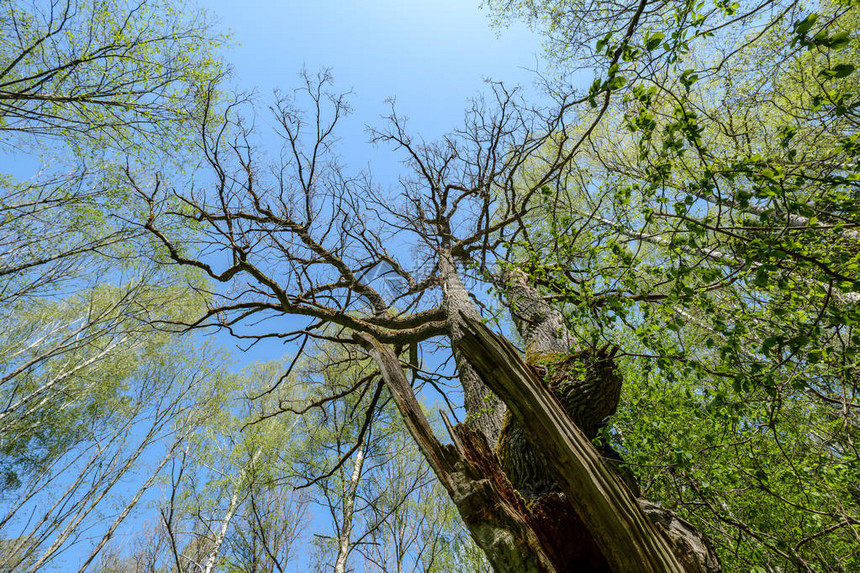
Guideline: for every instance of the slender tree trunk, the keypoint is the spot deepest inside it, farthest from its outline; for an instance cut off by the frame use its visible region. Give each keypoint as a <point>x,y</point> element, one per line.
<point>484,410</point>
<point>101,486</point>
<point>212,557</point>
<point>130,506</point>
<point>343,539</point>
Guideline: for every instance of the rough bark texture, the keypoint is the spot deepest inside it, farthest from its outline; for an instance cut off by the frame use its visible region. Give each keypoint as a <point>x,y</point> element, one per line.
<point>584,381</point>
<point>694,550</point>
<point>541,326</point>
<point>544,332</point>
<point>495,515</point>
<point>485,411</point>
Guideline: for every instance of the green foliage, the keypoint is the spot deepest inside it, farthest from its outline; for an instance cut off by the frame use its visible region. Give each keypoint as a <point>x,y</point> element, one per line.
<point>72,366</point>
<point>105,73</point>
<point>76,290</point>
<point>711,230</point>
<point>745,461</point>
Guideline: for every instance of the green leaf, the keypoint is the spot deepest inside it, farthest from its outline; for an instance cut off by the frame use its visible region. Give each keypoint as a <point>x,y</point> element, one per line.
<point>653,41</point>
<point>688,78</point>
<point>615,83</point>
<point>842,70</point>
<point>802,27</point>
<point>834,42</point>
<point>837,71</point>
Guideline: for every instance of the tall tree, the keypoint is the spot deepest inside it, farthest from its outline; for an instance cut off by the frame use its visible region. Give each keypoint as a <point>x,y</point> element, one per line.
<point>114,421</point>
<point>302,241</point>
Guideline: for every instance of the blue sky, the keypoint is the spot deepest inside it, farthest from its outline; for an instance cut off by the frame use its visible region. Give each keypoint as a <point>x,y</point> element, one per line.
<point>432,56</point>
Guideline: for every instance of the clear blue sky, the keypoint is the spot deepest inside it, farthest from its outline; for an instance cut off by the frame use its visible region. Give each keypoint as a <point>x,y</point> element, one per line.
<point>432,55</point>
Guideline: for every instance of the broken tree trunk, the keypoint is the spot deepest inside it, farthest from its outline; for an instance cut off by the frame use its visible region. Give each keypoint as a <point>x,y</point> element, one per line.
<point>545,334</point>
<point>625,535</point>
<point>494,513</point>
<point>520,538</point>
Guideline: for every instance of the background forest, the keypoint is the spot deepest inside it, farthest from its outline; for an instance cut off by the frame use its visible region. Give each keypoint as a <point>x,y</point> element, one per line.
<point>189,284</point>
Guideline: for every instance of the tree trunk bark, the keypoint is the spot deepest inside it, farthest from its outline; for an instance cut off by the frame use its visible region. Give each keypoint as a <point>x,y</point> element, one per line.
<point>495,515</point>
<point>345,533</point>
<point>621,525</point>
<point>626,536</point>
<point>544,331</point>
<point>541,326</point>
<point>484,410</point>
<point>218,541</point>
<point>607,529</point>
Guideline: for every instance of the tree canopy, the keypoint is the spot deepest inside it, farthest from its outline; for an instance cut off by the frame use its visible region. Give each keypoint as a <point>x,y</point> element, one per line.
<point>684,224</point>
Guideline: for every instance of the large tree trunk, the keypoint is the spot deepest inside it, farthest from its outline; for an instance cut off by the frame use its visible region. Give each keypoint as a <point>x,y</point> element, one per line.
<point>596,524</point>
<point>544,332</point>
<point>627,538</point>
<point>495,515</point>
<point>541,326</point>
<point>484,410</point>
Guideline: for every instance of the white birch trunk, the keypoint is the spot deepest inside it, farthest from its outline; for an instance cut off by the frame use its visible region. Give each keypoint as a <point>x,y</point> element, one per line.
<point>344,545</point>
